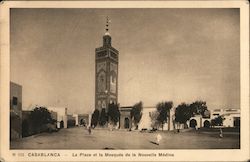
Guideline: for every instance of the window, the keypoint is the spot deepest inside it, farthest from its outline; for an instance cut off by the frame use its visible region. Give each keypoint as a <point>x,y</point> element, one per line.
<point>14,100</point>
<point>102,54</point>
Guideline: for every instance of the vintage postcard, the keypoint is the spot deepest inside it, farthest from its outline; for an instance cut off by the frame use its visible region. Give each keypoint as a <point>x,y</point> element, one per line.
<point>124,81</point>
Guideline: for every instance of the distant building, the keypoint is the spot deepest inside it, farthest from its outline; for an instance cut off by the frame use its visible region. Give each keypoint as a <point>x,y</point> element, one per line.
<point>54,117</point>
<point>76,119</point>
<point>231,118</point>
<point>61,116</point>
<point>125,121</point>
<point>15,111</point>
<point>147,120</point>
<point>71,120</point>
<point>82,119</point>
<point>196,121</point>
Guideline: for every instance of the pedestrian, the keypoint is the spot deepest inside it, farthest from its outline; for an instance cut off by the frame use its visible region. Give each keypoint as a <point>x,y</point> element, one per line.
<point>158,139</point>
<point>221,133</point>
<point>89,129</point>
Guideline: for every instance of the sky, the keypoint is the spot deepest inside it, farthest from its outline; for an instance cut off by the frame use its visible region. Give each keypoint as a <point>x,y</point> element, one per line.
<point>179,55</point>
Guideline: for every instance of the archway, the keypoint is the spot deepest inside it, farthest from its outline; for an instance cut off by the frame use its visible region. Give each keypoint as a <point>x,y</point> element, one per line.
<point>61,124</point>
<point>82,122</point>
<point>206,124</point>
<point>126,123</point>
<point>193,123</point>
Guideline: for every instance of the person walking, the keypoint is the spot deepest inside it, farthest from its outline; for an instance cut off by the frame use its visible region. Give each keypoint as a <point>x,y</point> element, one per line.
<point>89,129</point>
<point>158,139</point>
<point>221,133</point>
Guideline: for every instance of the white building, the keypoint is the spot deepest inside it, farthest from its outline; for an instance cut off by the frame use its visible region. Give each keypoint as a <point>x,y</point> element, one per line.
<point>76,118</point>
<point>61,115</point>
<point>231,118</point>
<point>146,121</point>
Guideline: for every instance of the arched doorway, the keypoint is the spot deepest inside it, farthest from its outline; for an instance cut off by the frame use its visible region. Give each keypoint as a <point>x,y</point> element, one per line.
<point>126,123</point>
<point>61,124</point>
<point>193,123</point>
<point>82,122</point>
<point>206,124</point>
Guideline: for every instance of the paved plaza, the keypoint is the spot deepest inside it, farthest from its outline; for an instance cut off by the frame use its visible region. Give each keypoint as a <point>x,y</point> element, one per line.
<point>79,138</point>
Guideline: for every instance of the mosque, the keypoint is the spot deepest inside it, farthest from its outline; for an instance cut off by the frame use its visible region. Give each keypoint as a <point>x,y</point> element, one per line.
<point>106,78</point>
<point>106,85</point>
<point>106,92</point>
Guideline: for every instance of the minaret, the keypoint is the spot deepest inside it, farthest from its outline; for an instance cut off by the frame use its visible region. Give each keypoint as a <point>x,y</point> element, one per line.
<point>107,37</point>
<point>106,72</point>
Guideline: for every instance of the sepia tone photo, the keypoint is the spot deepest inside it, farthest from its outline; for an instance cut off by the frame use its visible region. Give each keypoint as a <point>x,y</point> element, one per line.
<point>115,82</point>
<point>125,78</point>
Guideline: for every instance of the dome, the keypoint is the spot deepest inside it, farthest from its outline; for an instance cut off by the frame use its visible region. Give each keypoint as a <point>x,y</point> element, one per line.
<point>106,33</point>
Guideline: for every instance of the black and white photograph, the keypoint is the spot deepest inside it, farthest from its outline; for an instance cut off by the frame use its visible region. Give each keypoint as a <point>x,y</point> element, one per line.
<point>117,78</point>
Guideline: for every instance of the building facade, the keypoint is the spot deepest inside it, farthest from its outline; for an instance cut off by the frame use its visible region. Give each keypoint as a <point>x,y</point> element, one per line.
<point>125,121</point>
<point>82,119</point>
<point>15,111</point>
<point>106,73</point>
<point>149,115</point>
<point>231,118</point>
<point>61,116</point>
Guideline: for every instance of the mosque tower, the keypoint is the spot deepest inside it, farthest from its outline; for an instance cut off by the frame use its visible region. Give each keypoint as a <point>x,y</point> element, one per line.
<point>106,72</point>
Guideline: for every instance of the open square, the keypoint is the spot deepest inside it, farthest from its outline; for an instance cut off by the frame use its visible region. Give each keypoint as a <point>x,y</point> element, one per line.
<point>79,138</point>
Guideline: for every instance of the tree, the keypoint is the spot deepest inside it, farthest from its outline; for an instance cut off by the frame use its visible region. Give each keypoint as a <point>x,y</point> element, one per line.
<point>164,112</point>
<point>71,123</point>
<point>182,113</point>
<point>25,128</point>
<point>198,108</point>
<point>218,121</point>
<point>154,122</point>
<point>136,113</point>
<point>113,113</point>
<point>103,117</point>
<point>95,118</point>
<point>39,117</point>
